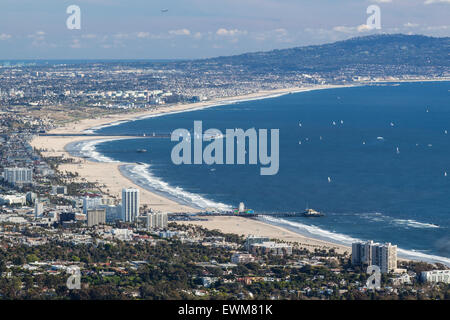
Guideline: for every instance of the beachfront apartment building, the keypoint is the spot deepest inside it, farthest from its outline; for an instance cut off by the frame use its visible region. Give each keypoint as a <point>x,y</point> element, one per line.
<point>18,176</point>
<point>130,204</point>
<point>370,253</point>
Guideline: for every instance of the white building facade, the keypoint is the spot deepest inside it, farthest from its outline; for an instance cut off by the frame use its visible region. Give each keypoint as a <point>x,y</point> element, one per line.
<point>436,276</point>
<point>17,176</point>
<point>130,204</point>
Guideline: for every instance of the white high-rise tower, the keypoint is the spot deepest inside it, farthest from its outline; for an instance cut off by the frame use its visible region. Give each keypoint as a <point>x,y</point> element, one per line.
<point>130,204</point>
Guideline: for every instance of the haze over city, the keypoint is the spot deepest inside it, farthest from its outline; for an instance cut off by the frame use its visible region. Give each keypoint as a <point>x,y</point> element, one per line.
<point>176,29</point>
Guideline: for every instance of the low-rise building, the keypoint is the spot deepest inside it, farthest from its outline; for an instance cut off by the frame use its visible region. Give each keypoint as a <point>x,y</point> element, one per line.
<point>272,248</point>
<point>13,200</point>
<point>435,276</point>
<point>242,258</point>
<point>254,239</point>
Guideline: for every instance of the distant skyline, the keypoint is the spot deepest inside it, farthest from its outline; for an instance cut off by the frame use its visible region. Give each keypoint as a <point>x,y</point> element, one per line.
<point>177,29</point>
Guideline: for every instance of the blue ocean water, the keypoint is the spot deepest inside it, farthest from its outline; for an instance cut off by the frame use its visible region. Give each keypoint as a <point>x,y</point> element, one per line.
<point>384,147</point>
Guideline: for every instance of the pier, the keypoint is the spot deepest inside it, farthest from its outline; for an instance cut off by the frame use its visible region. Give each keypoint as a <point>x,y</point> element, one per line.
<point>142,135</point>
<point>194,216</point>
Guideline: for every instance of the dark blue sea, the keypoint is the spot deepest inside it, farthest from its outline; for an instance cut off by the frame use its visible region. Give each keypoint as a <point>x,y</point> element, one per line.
<point>373,158</point>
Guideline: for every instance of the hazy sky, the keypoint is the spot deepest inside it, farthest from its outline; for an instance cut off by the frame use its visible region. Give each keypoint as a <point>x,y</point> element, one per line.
<point>118,29</point>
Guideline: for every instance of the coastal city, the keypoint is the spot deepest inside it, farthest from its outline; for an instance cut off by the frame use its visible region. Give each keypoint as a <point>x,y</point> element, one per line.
<point>211,159</point>
<point>53,219</point>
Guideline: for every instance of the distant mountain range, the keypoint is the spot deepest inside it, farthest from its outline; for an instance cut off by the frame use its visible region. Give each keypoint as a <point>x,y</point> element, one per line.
<point>376,55</point>
<point>398,49</point>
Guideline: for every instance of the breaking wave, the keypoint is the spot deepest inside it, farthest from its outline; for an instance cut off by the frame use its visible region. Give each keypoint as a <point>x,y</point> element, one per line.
<point>88,149</point>
<point>405,223</point>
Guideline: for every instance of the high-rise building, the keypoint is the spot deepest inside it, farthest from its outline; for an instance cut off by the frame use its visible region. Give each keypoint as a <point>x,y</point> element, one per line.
<point>362,253</point>
<point>385,256</point>
<point>96,217</point>
<point>18,176</point>
<point>370,253</point>
<point>130,204</point>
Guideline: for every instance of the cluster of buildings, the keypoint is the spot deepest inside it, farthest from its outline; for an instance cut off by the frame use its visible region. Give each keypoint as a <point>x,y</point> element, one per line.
<point>370,253</point>
<point>90,209</point>
<point>385,257</point>
<point>99,210</point>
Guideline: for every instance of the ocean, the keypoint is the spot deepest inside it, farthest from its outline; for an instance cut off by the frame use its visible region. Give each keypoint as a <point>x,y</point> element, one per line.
<point>373,158</point>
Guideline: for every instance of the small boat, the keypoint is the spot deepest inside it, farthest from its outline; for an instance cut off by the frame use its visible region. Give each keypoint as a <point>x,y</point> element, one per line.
<point>312,213</point>
<point>141,150</point>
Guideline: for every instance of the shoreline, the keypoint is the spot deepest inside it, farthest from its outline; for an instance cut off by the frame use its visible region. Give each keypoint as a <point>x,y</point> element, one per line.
<point>161,202</point>
<point>110,175</point>
<point>85,125</point>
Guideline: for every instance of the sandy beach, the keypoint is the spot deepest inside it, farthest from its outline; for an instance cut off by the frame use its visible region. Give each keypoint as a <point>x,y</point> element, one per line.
<point>111,180</point>
<point>85,124</point>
